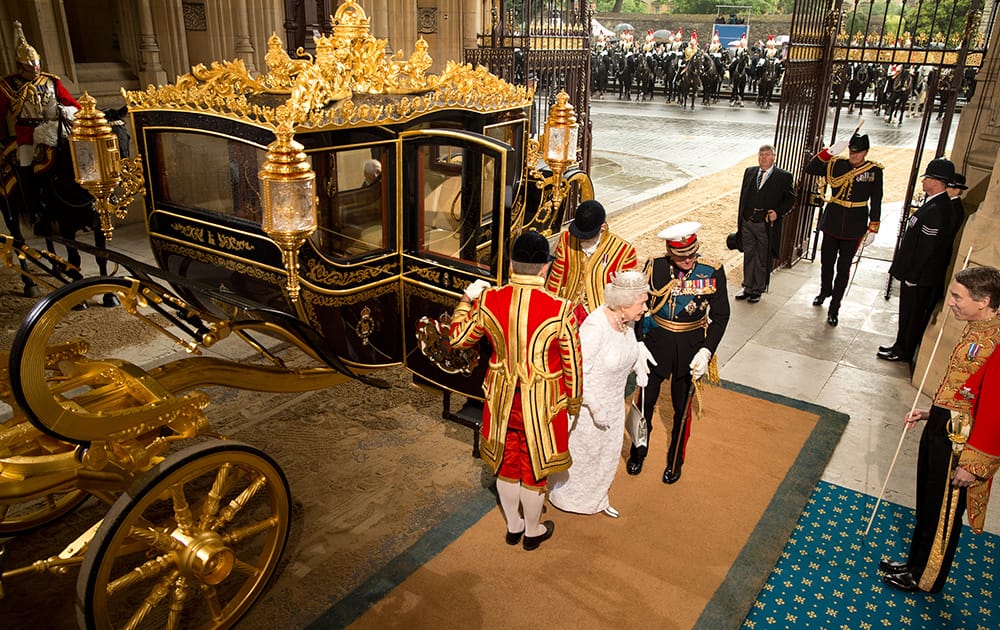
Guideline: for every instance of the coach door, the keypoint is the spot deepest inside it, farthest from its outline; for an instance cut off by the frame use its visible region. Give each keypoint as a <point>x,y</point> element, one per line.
<point>455,223</point>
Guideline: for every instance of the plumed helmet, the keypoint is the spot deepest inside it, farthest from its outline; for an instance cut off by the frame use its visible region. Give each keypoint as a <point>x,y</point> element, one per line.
<point>590,216</point>
<point>859,143</point>
<point>25,51</point>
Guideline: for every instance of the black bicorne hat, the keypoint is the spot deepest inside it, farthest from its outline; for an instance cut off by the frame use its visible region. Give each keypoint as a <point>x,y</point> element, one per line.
<point>859,143</point>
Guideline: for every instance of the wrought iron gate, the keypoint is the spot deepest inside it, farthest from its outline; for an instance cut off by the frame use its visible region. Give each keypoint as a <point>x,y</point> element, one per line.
<point>944,39</point>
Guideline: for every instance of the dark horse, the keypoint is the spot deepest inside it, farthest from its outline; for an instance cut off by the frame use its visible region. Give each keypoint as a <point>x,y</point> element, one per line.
<point>769,73</point>
<point>738,78</point>
<point>860,81</point>
<point>62,209</point>
<point>902,88</point>
<point>689,81</point>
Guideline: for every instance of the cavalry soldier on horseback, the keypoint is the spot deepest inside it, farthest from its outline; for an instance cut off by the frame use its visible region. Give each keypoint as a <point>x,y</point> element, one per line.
<point>32,106</point>
<point>851,217</point>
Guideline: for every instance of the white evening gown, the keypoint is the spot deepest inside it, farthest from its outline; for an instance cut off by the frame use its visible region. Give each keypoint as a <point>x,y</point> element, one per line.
<point>608,358</point>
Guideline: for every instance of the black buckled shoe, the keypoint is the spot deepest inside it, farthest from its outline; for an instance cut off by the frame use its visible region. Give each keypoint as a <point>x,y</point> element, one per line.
<point>532,542</point>
<point>893,568</point>
<point>819,299</point>
<point>832,319</point>
<point>902,582</point>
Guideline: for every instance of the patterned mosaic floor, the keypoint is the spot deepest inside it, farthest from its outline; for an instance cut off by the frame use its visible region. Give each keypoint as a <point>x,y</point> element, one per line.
<point>827,575</point>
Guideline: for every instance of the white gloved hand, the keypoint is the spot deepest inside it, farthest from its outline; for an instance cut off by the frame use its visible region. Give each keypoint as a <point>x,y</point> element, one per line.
<point>474,290</point>
<point>838,147</point>
<point>642,365</point>
<point>869,239</point>
<point>699,364</point>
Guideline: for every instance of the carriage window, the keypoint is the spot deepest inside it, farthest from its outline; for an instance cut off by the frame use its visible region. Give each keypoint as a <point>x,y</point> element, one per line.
<point>353,199</point>
<point>455,220</point>
<point>513,134</point>
<point>209,173</point>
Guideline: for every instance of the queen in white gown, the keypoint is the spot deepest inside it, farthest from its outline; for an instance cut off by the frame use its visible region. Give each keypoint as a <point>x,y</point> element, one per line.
<point>610,354</point>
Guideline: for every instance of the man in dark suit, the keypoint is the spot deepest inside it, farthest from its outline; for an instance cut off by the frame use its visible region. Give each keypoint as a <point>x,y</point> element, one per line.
<point>766,196</point>
<point>852,214</point>
<point>922,260</point>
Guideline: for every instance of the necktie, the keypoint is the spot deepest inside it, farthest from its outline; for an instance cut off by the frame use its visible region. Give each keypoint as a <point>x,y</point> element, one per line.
<point>760,178</point>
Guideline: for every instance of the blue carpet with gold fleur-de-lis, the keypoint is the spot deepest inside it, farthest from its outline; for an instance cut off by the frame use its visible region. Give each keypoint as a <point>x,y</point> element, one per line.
<point>827,575</point>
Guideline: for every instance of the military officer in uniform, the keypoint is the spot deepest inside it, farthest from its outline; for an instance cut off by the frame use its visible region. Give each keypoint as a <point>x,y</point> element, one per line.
<point>851,217</point>
<point>688,313</point>
<point>588,256</point>
<point>533,385</point>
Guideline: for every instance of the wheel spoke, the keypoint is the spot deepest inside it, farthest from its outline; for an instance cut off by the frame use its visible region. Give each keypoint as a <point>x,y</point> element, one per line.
<point>214,497</point>
<point>142,572</point>
<point>182,511</point>
<point>245,568</point>
<point>178,596</point>
<point>240,534</point>
<point>237,504</point>
<point>160,590</point>
<point>211,596</point>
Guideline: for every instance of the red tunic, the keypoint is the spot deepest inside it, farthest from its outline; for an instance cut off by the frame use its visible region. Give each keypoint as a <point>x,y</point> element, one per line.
<point>536,351</point>
<point>580,279</point>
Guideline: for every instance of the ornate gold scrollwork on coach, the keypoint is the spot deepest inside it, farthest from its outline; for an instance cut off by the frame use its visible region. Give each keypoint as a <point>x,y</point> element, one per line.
<point>321,91</point>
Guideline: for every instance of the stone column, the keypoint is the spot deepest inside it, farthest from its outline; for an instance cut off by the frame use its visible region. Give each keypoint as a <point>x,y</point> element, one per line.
<point>150,69</point>
<point>244,47</point>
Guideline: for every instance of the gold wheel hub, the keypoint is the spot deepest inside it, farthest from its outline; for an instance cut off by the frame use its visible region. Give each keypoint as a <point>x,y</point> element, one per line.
<point>204,556</point>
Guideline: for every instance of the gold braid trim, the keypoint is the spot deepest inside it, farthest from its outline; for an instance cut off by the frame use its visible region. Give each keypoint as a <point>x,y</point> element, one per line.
<point>710,379</point>
<point>845,183</point>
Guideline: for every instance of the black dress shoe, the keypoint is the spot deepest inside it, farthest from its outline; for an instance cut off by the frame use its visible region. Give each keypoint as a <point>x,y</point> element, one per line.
<point>893,568</point>
<point>742,295</point>
<point>672,475</point>
<point>818,300</point>
<point>514,537</point>
<point>110,300</point>
<point>890,356</point>
<point>902,582</point>
<point>832,319</point>
<point>753,299</point>
<point>887,348</point>
<point>532,542</point>
<point>634,464</point>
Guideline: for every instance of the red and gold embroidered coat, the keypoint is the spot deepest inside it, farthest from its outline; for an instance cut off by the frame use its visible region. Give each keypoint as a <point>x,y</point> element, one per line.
<point>972,388</point>
<point>580,279</point>
<point>536,348</point>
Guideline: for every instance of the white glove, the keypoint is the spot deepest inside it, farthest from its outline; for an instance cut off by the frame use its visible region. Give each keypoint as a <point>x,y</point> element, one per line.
<point>869,239</point>
<point>642,365</point>
<point>838,147</point>
<point>699,364</point>
<point>474,290</point>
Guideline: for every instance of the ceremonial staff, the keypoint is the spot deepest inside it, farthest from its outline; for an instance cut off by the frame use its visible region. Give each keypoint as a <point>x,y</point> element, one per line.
<point>913,408</point>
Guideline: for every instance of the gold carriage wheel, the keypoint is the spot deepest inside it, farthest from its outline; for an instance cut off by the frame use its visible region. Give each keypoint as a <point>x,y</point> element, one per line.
<point>192,544</point>
<point>42,398</point>
<point>18,518</point>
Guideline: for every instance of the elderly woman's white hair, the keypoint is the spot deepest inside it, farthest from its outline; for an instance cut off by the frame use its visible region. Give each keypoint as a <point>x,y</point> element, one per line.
<point>625,288</point>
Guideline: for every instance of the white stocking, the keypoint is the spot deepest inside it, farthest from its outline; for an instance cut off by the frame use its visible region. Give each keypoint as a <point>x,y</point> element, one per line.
<point>532,502</point>
<point>509,493</point>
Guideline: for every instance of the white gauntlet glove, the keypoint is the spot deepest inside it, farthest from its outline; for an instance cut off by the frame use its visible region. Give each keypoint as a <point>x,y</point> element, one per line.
<point>838,147</point>
<point>642,365</point>
<point>869,239</point>
<point>699,364</point>
<point>474,290</point>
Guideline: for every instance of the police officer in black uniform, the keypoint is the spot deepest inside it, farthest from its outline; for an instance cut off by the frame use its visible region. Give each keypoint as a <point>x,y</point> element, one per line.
<point>851,216</point>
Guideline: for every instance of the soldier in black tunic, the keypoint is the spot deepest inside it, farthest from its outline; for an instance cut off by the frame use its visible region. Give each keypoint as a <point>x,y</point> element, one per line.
<point>851,216</point>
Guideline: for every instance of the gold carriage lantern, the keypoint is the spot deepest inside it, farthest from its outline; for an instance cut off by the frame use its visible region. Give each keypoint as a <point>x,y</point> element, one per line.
<point>288,188</point>
<point>559,143</point>
<point>96,161</point>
